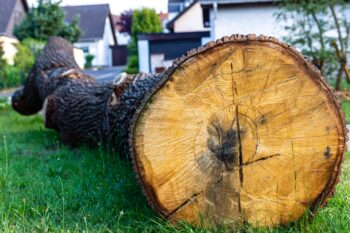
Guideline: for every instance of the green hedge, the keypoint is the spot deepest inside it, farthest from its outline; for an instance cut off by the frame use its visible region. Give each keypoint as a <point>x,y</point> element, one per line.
<point>10,76</point>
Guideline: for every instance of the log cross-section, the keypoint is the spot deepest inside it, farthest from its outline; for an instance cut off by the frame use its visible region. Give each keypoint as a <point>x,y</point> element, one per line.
<point>241,130</point>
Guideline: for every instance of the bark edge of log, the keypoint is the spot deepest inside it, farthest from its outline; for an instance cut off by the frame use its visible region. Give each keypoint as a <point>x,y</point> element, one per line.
<point>329,190</point>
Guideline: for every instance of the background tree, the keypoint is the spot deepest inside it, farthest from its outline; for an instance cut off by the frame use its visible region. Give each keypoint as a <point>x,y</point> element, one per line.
<point>143,21</point>
<point>125,21</point>
<point>341,44</point>
<point>311,26</point>
<point>45,20</point>
<point>9,75</point>
<point>25,57</point>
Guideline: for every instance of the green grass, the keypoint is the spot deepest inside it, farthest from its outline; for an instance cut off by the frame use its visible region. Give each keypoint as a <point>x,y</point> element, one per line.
<point>346,108</point>
<point>344,85</point>
<point>48,187</point>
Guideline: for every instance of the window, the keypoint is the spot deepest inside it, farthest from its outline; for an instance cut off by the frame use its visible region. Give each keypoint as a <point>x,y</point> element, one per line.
<point>206,17</point>
<point>85,49</point>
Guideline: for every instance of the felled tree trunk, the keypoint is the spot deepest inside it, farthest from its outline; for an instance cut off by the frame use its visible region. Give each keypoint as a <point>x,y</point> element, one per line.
<point>82,110</point>
<point>240,130</point>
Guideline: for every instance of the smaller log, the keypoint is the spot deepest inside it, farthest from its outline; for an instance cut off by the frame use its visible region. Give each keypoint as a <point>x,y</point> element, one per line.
<point>55,67</point>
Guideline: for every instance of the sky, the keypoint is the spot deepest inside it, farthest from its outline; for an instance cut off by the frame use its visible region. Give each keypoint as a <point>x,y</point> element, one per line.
<point>118,6</point>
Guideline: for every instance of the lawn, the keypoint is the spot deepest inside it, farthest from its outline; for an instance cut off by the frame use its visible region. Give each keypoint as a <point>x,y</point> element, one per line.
<point>346,107</point>
<point>48,187</point>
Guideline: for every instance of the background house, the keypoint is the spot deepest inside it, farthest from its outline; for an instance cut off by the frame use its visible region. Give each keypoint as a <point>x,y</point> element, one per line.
<point>11,13</point>
<point>98,33</point>
<point>186,31</point>
<point>177,6</point>
<point>225,17</point>
<point>120,49</point>
<point>158,50</point>
<point>215,18</point>
<point>190,19</point>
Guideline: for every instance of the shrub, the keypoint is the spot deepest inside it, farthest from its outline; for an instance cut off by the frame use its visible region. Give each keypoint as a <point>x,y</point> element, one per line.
<point>10,76</point>
<point>24,60</point>
<point>36,46</point>
<point>2,60</point>
<point>143,21</point>
<point>45,20</point>
<point>88,61</point>
<point>132,66</point>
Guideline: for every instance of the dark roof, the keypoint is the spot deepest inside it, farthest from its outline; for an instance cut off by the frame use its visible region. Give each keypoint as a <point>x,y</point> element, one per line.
<point>170,24</point>
<point>6,9</point>
<point>205,2</point>
<point>92,20</point>
<point>173,36</point>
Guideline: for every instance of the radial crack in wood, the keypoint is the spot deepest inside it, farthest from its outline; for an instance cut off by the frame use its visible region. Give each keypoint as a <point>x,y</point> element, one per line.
<point>229,111</point>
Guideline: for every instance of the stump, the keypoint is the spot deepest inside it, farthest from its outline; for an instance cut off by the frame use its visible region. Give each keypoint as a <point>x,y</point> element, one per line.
<point>241,130</point>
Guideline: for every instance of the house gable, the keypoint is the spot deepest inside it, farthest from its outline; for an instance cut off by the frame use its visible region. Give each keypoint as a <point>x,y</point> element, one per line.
<point>92,20</point>
<point>190,19</point>
<point>12,13</point>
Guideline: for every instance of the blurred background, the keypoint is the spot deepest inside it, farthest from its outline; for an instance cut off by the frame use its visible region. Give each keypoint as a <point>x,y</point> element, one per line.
<point>133,36</point>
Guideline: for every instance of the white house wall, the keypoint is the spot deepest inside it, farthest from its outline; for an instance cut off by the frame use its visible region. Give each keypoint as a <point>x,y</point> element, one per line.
<point>79,57</point>
<point>246,20</point>
<point>191,20</point>
<point>144,56</point>
<point>102,58</point>
<point>92,47</point>
<point>100,48</point>
<point>107,42</point>
<point>122,38</point>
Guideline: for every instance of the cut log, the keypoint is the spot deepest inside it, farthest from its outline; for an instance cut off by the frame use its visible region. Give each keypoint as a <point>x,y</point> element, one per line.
<point>241,130</point>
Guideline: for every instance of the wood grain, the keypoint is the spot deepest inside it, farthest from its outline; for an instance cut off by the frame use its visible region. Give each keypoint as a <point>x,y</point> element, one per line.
<point>242,130</point>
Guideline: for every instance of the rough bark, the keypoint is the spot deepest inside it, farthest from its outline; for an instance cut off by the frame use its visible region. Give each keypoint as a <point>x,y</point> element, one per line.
<point>55,67</point>
<point>97,112</point>
<point>79,111</point>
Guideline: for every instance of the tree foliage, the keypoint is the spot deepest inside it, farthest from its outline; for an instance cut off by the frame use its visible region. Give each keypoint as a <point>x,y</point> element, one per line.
<point>9,75</point>
<point>125,21</point>
<point>317,29</point>
<point>45,20</point>
<point>143,21</point>
<point>2,59</point>
<point>25,57</point>
<point>14,75</point>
